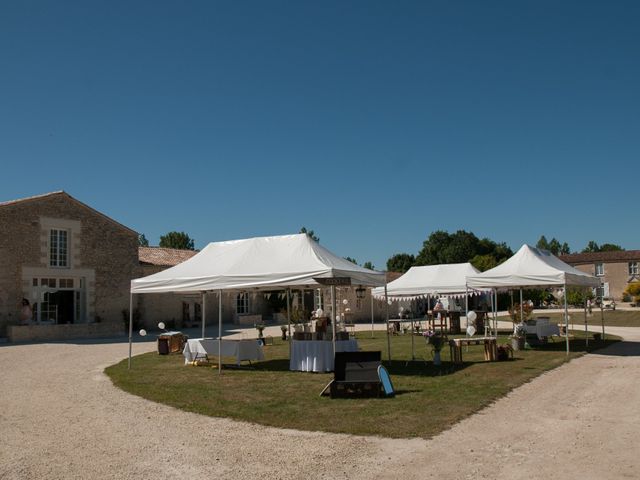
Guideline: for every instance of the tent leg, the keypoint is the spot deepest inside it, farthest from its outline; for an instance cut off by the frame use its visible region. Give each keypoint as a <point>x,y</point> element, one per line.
<point>602,316</point>
<point>219,332</point>
<point>566,318</point>
<point>386,303</point>
<point>371,292</point>
<point>289,321</point>
<point>334,319</point>
<point>586,329</point>
<point>130,327</point>
<point>521,308</point>
<point>203,312</point>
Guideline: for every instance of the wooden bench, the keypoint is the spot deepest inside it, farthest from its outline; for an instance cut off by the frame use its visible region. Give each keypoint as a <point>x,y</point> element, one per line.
<point>490,348</point>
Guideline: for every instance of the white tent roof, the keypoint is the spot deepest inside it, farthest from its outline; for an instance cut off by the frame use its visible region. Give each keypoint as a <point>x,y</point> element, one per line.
<point>263,262</point>
<point>446,279</point>
<point>532,267</point>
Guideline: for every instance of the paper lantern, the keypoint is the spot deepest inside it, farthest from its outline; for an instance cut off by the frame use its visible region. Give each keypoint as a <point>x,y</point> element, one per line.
<point>161,325</point>
<point>471,316</point>
<point>143,332</point>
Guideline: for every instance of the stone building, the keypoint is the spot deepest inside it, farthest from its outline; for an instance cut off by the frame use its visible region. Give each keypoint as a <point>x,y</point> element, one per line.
<point>615,269</point>
<point>71,262</point>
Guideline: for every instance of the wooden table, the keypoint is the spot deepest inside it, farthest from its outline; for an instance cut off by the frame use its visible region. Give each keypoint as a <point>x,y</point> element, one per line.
<point>490,348</point>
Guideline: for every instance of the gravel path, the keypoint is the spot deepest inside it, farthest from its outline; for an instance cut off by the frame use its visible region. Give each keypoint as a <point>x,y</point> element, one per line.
<point>61,418</point>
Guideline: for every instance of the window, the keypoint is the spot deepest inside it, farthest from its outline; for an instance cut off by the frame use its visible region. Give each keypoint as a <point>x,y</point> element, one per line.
<point>599,267</point>
<point>633,268</point>
<point>242,303</point>
<point>48,282</point>
<point>58,248</point>
<point>66,283</point>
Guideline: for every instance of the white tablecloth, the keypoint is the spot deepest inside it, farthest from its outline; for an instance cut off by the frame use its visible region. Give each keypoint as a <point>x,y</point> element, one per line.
<point>240,349</point>
<point>542,327</point>
<point>317,355</point>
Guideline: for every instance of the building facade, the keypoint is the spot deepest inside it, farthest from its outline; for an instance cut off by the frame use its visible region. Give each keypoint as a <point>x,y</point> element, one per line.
<point>72,263</point>
<point>615,269</point>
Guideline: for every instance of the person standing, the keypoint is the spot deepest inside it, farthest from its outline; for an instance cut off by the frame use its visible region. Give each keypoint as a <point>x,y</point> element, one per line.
<point>26,314</point>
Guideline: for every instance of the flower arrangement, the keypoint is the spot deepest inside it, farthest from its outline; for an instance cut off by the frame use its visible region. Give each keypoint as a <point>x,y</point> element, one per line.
<point>515,314</point>
<point>260,326</point>
<point>435,339</point>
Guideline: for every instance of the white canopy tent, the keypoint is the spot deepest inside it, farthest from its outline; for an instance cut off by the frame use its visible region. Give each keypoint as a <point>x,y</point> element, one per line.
<point>428,280</point>
<point>447,279</point>
<point>262,263</point>
<point>532,267</point>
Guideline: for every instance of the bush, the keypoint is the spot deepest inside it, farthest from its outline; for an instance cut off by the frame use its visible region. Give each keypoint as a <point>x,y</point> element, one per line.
<point>633,290</point>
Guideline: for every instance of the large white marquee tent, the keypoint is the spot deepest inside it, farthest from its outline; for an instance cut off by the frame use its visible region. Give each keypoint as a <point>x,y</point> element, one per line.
<point>262,263</point>
<point>532,267</point>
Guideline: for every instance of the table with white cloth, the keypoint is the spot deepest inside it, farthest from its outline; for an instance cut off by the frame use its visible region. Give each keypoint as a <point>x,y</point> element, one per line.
<point>542,327</point>
<point>197,348</point>
<point>317,355</point>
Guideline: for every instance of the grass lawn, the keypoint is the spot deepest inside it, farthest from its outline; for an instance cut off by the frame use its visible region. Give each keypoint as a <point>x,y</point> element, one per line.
<point>429,399</point>
<point>612,318</point>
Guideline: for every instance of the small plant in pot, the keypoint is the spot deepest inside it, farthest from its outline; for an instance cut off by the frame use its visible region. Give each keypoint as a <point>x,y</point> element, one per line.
<point>436,340</point>
<point>260,327</point>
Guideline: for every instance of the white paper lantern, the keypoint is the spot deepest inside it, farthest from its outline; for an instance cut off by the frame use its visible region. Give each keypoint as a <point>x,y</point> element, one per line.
<point>471,330</point>
<point>471,316</point>
<point>161,325</point>
<point>143,332</point>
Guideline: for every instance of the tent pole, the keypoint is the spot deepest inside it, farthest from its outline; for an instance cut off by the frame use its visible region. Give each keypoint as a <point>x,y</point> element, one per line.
<point>130,326</point>
<point>602,315</point>
<point>203,312</point>
<point>521,308</point>
<point>371,292</point>
<point>413,348</point>
<point>219,332</point>
<point>566,317</point>
<point>466,304</point>
<point>586,331</point>
<point>494,306</point>
<point>386,303</point>
<point>289,321</point>
<point>333,320</point>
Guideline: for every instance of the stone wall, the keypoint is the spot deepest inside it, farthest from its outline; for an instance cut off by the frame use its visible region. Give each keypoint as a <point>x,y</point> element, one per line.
<point>615,274</point>
<point>101,252</point>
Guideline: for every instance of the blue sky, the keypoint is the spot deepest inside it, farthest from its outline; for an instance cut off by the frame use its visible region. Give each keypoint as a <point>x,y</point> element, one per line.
<point>373,123</point>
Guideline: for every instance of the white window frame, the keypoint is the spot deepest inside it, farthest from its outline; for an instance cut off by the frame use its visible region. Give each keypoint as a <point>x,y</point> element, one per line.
<point>56,252</point>
<point>599,272</point>
<point>633,268</point>
<point>242,303</point>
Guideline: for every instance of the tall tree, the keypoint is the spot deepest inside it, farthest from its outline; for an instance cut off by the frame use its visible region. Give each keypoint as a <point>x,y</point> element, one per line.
<point>352,260</point>
<point>142,240</point>
<point>554,246</point>
<point>442,247</point>
<point>310,233</point>
<point>369,265</point>
<point>178,240</point>
<point>605,247</point>
<point>400,262</point>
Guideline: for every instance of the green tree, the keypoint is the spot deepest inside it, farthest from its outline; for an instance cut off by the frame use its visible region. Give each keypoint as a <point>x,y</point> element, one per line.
<point>142,240</point>
<point>484,262</point>
<point>554,246</point>
<point>605,247</point>
<point>310,233</point>
<point>369,265</point>
<point>400,262</point>
<point>611,247</point>
<point>442,247</point>
<point>177,240</point>
<point>352,260</point>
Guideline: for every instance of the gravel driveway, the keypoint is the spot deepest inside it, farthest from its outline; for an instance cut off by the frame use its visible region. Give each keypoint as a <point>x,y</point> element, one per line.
<point>61,418</point>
